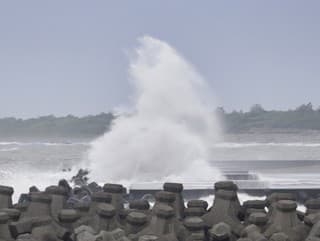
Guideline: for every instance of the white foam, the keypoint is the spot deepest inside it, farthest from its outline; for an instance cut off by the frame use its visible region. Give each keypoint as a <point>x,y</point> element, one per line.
<point>23,178</point>
<point>9,149</point>
<point>168,135</point>
<point>15,143</point>
<point>261,144</point>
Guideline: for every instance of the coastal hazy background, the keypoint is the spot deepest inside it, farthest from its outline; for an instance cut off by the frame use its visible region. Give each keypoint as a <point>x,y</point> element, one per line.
<point>194,88</point>
<point>70,57</point>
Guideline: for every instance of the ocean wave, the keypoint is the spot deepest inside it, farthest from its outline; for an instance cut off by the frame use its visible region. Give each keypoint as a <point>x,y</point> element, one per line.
<point>9,149</point>
<point>15,143</point>
<point>262,144</point>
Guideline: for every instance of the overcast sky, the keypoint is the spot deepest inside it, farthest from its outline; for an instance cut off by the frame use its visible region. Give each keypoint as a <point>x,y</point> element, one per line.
<point>60,57</point>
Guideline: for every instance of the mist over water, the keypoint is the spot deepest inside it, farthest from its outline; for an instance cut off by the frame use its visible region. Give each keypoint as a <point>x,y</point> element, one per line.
<point>171,129</point>
<point>170,135</point>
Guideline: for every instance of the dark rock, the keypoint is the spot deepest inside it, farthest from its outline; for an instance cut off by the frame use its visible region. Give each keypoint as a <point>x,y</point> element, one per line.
<point>178,204</point>
<point>225,209</point>
<point>33,189</point>
<point>220,232</point>
<point>6,197</point>
<point>116,191</point>
<point>194,212</point>
<point>136,221</point>
<point>142,205</point>
<point>39,205</point>
<point>259,219</point>
<point>42,229</point>
<point>13,213</point>
<point>254,233</point>
<point>197,204</point>
<point>163,197</point>
<point>105,218</point>
<point>279,237</point>
<point>59,199</point>
<point>4,227</point>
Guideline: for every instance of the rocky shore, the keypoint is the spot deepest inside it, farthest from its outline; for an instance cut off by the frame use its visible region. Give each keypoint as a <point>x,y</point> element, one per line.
<point>92,213</point>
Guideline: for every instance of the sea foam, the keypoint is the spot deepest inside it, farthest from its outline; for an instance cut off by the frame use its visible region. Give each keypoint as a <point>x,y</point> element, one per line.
<point>171,128</point>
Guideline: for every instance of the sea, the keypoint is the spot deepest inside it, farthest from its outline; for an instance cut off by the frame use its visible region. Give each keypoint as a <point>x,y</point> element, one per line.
<point>275,159</point>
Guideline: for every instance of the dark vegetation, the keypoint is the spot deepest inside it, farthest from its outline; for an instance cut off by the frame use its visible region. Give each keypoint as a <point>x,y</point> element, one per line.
<point>56,127</point>
<point>304,117</point>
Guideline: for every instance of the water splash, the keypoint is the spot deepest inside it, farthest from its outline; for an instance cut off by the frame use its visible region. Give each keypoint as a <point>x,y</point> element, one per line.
<point>169,133</point>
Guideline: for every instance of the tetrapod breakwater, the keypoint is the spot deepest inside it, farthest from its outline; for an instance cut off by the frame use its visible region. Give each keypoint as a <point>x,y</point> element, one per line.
<point>92,212</point>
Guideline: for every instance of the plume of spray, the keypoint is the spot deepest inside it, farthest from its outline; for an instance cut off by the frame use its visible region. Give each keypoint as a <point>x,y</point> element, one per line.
<point>169,133</point>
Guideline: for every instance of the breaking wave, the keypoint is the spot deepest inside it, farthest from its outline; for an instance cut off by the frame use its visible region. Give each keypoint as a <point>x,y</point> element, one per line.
<point>14,143</point>
<point>169,133</point>
<point>9,149</point>
<point>257,144</point>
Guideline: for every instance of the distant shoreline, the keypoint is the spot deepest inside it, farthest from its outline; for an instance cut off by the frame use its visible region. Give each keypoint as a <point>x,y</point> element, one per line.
<point>302,123</point>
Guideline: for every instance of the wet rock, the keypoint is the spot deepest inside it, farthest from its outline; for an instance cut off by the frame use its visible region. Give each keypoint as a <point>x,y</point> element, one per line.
<point>85,233</point>
<point>116,191</point>
<point>21,227</point>
<point>13,214</point>
<point>42,229</point>
<point>244,239</point>
<point>197,204</point>
<point>251,206</point>
<point>279,237</point>
<point>220,232</point>
<point>39,205</point>
<point>313,206</point>
<point>25,237</point>
<point>250,211</point>
<point>4,227</point>
<point>24,198</point>
<point>79,195</point>
<point>273,198</point>
<point>162,224</point>
<point>67,220</point>
<point>315,231</point>
<point>148,238</point>
<point>33,189</point>
<point>94,187</point>
<point>58,200</point>
<point>115,235</point>
<point>64,184</point>
<point>311,219</point>
<point>105,218</point>
<point>163,197</point>
<point>225,209</point>
<point>136,221</point>
<point>178,204</point>
<point>194,227</point>
<point>231,186</point>
<point>82,209</point>
<point>123,216</point>
<point>98,198</point>
<point>6,197</point>
<point>259,219</point>
<point>87,213</point>
<point>194,212</point>
<point>284,219</point>
<point>141,205</point>
<point>225,185</point>
<point>81,178</point>
<point>254,233</point>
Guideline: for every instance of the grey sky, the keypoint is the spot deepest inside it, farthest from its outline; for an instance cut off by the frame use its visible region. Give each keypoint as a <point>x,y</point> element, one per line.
<point>65,57</point>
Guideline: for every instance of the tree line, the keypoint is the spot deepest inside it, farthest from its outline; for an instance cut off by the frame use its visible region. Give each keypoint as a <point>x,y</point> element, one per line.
<point>304,117</point>
<point>56,127</point>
